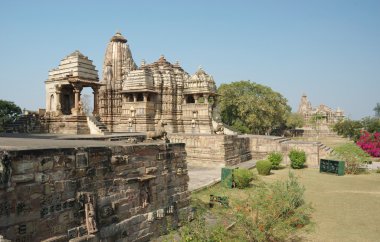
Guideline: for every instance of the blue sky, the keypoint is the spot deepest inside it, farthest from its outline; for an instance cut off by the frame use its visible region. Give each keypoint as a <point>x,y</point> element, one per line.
<point>328,49</point>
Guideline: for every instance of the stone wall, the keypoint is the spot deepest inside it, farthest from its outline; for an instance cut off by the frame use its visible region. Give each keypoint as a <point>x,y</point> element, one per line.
<point>228,150</point>
<point>312,150</point>
<point>118,193</point>
<point>261,146</point>
<point>215,150</point>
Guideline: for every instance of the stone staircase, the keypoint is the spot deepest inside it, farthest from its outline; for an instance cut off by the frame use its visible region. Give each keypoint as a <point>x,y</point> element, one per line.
<point>25,123</point>
<point>325,150</point>
<point>97,127</point>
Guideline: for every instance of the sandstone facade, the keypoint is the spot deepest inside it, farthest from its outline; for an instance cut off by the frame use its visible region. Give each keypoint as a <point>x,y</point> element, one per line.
<point>129,98</point>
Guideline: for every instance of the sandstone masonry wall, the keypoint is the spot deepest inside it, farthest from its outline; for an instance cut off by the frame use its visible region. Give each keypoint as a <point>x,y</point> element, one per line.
<point>261,146</point>
<point>218,150</point>
<point>119,193</point>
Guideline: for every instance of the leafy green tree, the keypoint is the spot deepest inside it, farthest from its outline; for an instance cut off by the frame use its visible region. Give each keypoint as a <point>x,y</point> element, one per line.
<point>377,110</point>
<point>295,120</point>
<point>8,113</point>
<point>315,122</point>
<point>371,124</point>
<point>351,128</point>
<point>252,108</point>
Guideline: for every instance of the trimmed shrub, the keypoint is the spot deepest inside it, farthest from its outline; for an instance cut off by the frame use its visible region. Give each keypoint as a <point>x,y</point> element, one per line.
<point>264,167</point>
<point>275,158</point>
<point>242,177</point>
<point>297,158</point>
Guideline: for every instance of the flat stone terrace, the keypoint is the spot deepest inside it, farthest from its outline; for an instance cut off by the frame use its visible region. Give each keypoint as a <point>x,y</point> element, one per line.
<point>45,141</point>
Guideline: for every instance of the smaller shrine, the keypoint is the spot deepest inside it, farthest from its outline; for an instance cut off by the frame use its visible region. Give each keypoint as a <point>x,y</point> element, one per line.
<point>64,109</point>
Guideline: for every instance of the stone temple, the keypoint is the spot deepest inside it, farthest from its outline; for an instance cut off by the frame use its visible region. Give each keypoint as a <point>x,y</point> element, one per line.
<point>328,117</point>
<point>109,177</point>
<point>129,98</point>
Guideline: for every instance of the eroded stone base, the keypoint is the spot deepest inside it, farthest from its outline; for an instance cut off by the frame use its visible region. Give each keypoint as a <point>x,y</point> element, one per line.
<point>65,124</point>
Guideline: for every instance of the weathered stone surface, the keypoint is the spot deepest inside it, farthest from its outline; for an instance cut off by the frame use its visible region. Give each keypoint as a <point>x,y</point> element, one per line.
<point>51,201</point>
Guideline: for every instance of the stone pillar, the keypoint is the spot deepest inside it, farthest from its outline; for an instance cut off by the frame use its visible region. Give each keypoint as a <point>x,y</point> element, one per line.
<point>77,91</point>
<point>145,97</point>
<point>206,97</point>
<point>134,97</point>
<point>58,89</point>
<point>196,96</point>
<point>96,101</point>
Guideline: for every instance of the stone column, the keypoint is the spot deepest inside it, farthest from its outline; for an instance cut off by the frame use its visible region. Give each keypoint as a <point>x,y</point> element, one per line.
<point>96,101</point>
<point>206,97</point>
<point>145,97</point>
<point>134,97</point>
<point>58,89</point>
<point>196,96</point>
<point>77,91</point>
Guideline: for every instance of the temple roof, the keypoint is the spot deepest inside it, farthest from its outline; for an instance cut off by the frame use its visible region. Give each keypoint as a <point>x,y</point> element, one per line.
<point>163,64</point>
<point>200,82</point>
<point>118,60</point>
<point>74,65</point>
<point>118,37</point>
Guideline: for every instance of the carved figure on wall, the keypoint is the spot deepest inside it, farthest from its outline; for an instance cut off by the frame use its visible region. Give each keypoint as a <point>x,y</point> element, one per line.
<point>144,196</point>
<point>5,170</point>
<point>90,214</point>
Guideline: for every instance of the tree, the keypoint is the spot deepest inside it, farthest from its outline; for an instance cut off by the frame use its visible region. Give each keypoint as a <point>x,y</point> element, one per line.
<point>315,121</point>
<point>252,108</point>
<point>377,110</point>
<point>295,120</point>
<point>86,100</point>
<point>8,113</point>
<point>371,124</point>
<point>348,128</point>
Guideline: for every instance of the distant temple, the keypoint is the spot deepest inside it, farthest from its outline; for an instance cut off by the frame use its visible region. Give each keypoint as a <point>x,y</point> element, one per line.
<point>328,115</point>
<point>129,98</point>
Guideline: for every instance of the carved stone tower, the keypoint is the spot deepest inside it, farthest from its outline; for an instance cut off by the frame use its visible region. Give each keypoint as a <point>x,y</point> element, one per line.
<point>118,62</point>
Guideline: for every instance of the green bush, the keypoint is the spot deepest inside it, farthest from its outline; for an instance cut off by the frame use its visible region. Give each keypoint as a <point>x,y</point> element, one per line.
<point>275,212</point>
<point>297,159</point>
<point>264,167</point>
<point>275,158</point>
<point>353,156</point>
<point>242,177</point>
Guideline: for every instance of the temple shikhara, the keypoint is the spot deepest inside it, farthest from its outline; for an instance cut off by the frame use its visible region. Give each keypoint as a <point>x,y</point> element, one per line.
<point>129,98</point>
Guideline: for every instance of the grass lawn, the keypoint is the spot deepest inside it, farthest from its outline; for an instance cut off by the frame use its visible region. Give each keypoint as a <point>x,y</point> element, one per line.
<point>331,141</point>
<point>346,208</point>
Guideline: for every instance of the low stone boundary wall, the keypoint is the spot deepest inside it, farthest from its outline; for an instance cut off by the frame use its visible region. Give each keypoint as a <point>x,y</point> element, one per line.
<point>113,193</point>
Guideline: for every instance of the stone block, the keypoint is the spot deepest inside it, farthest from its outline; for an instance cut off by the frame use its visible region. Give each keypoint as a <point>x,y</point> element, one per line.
<point>23,178</point>
<point>22,167</point>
